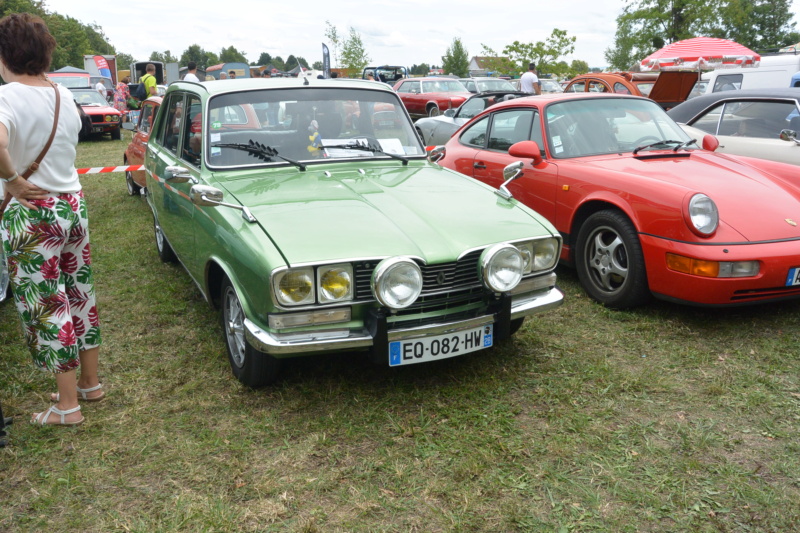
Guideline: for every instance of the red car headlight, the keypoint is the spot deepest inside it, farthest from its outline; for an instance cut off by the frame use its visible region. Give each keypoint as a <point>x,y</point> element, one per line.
<point>701,215</point>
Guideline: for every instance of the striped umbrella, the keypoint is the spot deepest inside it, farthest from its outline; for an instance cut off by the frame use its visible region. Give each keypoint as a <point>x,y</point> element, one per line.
<point>704,53</point>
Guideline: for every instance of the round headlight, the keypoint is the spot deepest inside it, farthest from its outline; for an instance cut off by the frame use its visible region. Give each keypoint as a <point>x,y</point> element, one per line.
<point>296,287</point>
<point>501,267</point>
<point>397,282</point>
<point>335,284</point>
<point>703,214</point>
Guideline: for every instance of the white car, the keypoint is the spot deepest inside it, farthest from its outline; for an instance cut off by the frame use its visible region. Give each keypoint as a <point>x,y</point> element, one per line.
<point>763,123</point>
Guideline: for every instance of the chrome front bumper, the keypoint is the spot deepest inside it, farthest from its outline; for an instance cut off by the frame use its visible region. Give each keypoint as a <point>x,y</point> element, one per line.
<point>521,306</point>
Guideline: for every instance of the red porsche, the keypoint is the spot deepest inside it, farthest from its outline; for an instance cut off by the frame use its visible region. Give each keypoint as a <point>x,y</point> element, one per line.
<point>644,209</point>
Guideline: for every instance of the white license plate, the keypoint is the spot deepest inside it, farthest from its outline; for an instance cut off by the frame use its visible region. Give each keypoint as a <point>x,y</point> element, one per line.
<point>794,277</point>
<point>440,346</point>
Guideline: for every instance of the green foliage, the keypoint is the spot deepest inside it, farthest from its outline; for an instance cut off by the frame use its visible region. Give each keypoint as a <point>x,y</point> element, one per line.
<point>456,59</point>
<point>164,57</point>
<point>231,55</point>
<point>332,34</point>
<point>317,65</point>
<point>543,53</point>
<point>124,61</point>
<point>493,62</point>
<point>71,42</point>
<point>264,59</point>
<point>194,53</point>
<point>647,25</point>
<point>420,70</point>
<point>278,63</point>
<point>354,56</point>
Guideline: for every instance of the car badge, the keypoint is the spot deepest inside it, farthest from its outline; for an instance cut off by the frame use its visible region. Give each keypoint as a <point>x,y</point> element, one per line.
<point>440,279</point>
<point>790,222</point>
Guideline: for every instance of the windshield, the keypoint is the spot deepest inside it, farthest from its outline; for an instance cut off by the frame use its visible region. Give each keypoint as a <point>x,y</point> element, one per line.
<point>443,86</point>
<point>71,81</point>
<point>598,126</point>
<point>308,124</point>
<point>486,86</point>
<point>90,98</point>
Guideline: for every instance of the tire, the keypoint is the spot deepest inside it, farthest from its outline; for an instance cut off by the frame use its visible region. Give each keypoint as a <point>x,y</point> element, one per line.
<point>116,134</point>
<point>133,188</point>
<point>433,111</point>
<point>5,279</point>
<point>165,252</point>
<point>516,324</point>
<point>610,262</point>
<point>250,366</point>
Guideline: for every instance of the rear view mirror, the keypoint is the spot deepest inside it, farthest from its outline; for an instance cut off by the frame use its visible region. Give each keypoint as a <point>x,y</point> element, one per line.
<point>526,150</point>
<point>436,154</point>
<point>789,135</point>
<point>710,143</point>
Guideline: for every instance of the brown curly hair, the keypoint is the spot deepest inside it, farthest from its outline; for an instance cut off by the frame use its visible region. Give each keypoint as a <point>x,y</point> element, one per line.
<point>26,45</point>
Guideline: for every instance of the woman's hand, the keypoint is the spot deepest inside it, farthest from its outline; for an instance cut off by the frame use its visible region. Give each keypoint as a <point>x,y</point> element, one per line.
<point>23,191</point>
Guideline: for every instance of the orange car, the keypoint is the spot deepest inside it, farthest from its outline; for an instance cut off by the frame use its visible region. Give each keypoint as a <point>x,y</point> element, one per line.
<point>667,88</point>
<point>134,153</point>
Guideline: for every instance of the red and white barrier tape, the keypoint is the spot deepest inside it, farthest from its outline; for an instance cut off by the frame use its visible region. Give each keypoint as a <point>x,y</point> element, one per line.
<point>99,170</point>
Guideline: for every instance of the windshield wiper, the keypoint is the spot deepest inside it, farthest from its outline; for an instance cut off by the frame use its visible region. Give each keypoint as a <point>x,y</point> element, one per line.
<point>261,151</point>
<point>368,147</point>
<point>685,144</point>
<point>659,143</point>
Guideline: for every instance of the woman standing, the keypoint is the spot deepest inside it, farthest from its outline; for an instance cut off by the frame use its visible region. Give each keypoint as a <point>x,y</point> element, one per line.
<point>44,228</point>
<point>121,96</point>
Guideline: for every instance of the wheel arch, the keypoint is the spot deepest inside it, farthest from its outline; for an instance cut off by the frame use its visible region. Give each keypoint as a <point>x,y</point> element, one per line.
<point>590,206</point>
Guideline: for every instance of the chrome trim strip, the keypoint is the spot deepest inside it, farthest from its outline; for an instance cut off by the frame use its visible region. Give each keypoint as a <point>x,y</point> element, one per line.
<point>267,343</point>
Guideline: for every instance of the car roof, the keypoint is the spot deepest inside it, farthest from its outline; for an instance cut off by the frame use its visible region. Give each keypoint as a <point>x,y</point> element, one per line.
<point>215,87</point>
<point>560,97</point>
<point>691,108</point>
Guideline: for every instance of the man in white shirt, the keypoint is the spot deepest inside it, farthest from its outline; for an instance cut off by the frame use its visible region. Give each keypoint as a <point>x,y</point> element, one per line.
<point>101,89</point>
<point>529,82</point>
<point>191,72</point>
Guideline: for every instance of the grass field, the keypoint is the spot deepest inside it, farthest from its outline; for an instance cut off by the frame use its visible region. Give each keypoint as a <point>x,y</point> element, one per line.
<point>666,418</point>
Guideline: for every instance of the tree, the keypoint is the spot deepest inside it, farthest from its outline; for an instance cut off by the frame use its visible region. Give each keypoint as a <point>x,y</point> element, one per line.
<point>317,65</point>
<point>757,24</point>
<point>231,55</point>
<point>291,62</point>
<point>493,62</point>
<point>124,61</point>
<point>420,70</point>
<point>264,59</point>
<point>354,55</point>
<point>165,57</point>
<point>71,42</point>
<point>455,59</point>
<point>194,53</point>
<point>278,63</point>
<point>336,41</point>
<point>543,53</point>
<point>577,67</point>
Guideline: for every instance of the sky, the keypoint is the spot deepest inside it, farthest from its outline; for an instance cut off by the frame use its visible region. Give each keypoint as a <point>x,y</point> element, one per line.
<point>400,32</point>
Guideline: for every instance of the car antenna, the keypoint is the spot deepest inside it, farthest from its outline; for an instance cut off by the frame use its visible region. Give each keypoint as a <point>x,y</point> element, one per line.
<point>305,80</point>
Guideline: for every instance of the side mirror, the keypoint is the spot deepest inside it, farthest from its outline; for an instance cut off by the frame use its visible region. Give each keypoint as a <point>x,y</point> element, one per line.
<point>710,143</point>
<point>174,174</point>
<point>437,154</point>
<point>511,172</point>
<point>203,195</point>
<point>790,136</point>
<point>526,150</point>
<point>449,113</point>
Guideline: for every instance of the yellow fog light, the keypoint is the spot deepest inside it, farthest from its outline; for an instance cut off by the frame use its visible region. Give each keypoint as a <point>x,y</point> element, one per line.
<point>335,283</point>
<point>295,287</point>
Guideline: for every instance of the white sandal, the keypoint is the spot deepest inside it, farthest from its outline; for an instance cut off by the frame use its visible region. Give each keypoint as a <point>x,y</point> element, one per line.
<point>82,394</point>
<point>41,418</point>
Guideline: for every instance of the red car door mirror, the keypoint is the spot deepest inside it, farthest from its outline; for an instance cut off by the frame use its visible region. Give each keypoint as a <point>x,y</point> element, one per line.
<point>526,150</point>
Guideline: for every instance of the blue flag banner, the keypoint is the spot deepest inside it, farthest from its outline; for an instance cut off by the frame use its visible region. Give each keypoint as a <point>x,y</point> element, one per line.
<point>326,62</point>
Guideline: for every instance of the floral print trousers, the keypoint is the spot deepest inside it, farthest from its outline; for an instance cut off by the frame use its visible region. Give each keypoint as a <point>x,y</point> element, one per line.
<point>49,261</point>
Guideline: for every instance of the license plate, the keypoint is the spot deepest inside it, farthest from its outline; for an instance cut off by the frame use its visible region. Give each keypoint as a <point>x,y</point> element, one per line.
<point>794,277</point>
<point>440,346</point>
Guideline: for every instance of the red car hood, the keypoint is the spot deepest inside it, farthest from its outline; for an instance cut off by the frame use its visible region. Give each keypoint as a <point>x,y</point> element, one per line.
<point>100,110</point>
<point>756,204</point>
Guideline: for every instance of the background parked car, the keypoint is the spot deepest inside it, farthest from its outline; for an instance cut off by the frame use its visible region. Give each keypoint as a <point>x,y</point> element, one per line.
<point>643,210</point>
<point>329,229</point>
<point>439,129</point>
<point>747,123</point>
<point>668,88</point>
<point>135,152</point>
<point>484,85</point>
<point>105,119</point>
<point>547,85</point>
<point>431,96</point>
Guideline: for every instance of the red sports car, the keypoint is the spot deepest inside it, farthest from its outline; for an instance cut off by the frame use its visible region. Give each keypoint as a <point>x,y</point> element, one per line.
<point>105,119</point>
<point>642,208</point>
<point>431,96</point>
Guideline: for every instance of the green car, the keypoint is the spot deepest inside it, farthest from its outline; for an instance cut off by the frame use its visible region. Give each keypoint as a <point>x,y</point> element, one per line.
<point>309,212</point>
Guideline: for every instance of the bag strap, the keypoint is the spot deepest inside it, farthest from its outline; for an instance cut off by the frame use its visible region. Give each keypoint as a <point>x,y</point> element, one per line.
<point>35,165</point>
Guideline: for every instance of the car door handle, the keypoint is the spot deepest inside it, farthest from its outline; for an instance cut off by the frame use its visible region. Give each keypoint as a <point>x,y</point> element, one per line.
<point>478,165</point>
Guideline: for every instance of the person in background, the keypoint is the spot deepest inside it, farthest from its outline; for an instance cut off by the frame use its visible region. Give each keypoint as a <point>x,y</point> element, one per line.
<point>121,96</point>
<point>223,75</point>
<point>232,74</point>
<point>51,273</point>
<point>529,82</point>
<point>100,88</point>
<point>265,74</point>
<point>149,80</point>
<point>191,72</point>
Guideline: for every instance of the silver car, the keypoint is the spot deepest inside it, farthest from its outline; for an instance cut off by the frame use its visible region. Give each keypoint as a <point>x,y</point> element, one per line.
<point>439,129</point>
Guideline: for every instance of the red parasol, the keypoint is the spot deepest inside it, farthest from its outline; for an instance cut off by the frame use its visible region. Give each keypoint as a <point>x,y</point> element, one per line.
<point>704,53</point>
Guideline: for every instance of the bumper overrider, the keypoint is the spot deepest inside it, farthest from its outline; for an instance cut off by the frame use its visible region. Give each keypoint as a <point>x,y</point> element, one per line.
<point>531,296</point>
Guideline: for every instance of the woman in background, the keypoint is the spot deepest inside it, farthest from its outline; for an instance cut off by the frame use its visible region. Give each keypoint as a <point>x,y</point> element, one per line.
<point>121,96</point>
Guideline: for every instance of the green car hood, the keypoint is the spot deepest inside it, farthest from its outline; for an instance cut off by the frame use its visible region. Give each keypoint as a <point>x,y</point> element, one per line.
<point>421,211</point>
